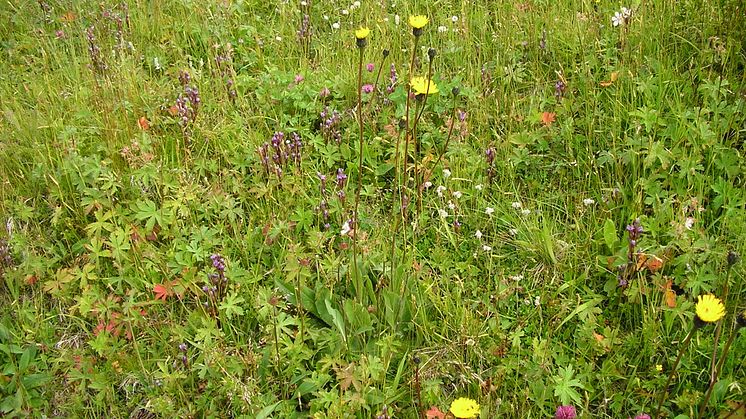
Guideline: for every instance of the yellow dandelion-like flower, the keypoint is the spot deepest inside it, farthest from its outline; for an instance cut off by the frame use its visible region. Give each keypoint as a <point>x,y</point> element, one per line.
<point>422,86</point>
<point>362,33</point>
<point>709,308</point>
<point>659,367</point>
<point>464,408</point>
<point>418,21</point>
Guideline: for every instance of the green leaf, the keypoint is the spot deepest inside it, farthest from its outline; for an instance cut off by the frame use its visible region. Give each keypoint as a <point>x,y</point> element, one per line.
<point>336,318</point>
<point>26,358</point>
<point>384,168</point>
<point>358,317</point>
<point>264,413</point>
<point>610,237</point>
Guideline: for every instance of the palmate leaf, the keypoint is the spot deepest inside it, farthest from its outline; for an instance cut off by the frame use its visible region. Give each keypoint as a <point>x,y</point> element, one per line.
<point>565,385</point>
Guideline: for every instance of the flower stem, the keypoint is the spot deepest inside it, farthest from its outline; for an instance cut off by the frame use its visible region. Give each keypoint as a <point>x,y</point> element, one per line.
<point>356,273</point>
<point>417,143</point>
<point>396,192</point>
<point>684,345</point>
<point>716,371</point>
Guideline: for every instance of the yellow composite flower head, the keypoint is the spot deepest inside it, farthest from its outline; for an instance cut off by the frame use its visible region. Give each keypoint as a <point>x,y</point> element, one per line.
<point>709,308</point>
<point>422,86</point>
<point>362,33</point>
<point>418,21</point>
<point>464,408</point>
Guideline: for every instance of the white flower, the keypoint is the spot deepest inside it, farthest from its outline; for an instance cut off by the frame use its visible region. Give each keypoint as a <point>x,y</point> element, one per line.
<point>443,213</point>
<point>442,29</point>
<point>439,190</point>
<point>397,19</point>
<point>451,205</point>
<point>489,210</point>
<point>335,25</point>
<point>345,229</point>
<point>386,19</point>
<point>303,3</point>
<point>626,13</point>
<point>516,205</point>
<point>526,212</point>
<point>486,248</point>
<point>446,173</point>
<point>689,223</point>
<point>157,63</point>
<point>454,18</point>
<point>478,187</point>
<point>457,194</point>
<point>478,234</point>
<point>588,202</point>
<point>427,184</point>
<point>617,19</point>
<point>326,17</point>
<point>513,232</point>
<point>356,4</point>
<point>345,12</point>
<point>537,301</point>
<point>516,278</point>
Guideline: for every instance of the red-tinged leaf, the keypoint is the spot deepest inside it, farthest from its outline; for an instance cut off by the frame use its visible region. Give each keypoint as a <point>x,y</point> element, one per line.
<point>669,294</point>
<point>68,17</point>
<point>162,291</point>
<point>547,118</point>
<point>143,123</point>
<point>434,412</point>
<point>614,76</point>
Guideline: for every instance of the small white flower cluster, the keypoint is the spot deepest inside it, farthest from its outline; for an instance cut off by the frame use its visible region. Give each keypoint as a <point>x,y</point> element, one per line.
<point>345,228</point>
<point>621,17</point>
<point>588,202</point>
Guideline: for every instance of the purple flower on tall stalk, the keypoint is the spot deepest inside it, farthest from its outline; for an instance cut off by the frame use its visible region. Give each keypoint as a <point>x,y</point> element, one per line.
<point>304,33</point>
<point>6,258</point>
<point>565,412</point>
<point>341,178</point>
<point>489,155</point>
<point>99,66</point>
<point>634,233</point>
<point>367,88</point>
<point>543,41</point>
<point>330,122</point>
<point>392,79</point>
<point>559,90</point>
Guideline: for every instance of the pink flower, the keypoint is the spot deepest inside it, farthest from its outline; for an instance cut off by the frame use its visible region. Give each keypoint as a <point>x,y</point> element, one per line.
<point>298,78</point>
<point>565,412</point>
<point>324,92</point>
<point>367,88</point>
<point>370,67</point>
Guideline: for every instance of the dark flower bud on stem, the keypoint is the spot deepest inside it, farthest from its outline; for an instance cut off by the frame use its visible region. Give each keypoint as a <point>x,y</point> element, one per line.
<point>732,258</point>
<point>431,53</point>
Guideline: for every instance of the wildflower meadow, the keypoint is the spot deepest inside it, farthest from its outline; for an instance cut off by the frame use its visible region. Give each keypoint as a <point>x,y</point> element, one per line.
<point>421,209</point>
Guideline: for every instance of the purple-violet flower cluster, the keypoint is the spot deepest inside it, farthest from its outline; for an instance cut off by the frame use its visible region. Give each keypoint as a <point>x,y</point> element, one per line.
<point>280,152</point>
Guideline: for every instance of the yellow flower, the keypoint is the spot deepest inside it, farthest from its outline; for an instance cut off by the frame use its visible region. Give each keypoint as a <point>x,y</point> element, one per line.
<point>659,367</point>
<point>362,33</point>
<point>422,86</point>
<point>418,21</point>
<point>709,308</point>
<point>464,408</point>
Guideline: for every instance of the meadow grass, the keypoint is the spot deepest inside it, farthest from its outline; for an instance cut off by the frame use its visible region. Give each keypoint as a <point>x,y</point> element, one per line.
<point>188,234</point>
